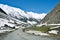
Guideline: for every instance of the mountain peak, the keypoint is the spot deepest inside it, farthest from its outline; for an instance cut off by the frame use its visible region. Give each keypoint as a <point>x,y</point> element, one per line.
<point>58,4</point>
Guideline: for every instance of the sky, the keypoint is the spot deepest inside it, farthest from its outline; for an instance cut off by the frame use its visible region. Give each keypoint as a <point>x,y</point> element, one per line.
<point>38,6</point>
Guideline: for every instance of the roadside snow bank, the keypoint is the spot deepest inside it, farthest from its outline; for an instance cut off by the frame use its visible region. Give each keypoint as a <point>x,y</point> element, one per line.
<point>4,31</point>
<point>54,31</point>
<point>37,33</point>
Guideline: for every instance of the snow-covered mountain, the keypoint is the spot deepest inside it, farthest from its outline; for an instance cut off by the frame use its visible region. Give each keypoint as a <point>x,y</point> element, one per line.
<point>10,22</point>
<point>21,15</point>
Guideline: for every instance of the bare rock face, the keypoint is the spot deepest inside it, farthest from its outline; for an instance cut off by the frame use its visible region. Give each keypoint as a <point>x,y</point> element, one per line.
<point>53,17</point>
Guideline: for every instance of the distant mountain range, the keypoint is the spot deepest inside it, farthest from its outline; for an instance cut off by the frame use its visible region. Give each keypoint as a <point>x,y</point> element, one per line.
<point>53,17</point>
<point>28,17</point>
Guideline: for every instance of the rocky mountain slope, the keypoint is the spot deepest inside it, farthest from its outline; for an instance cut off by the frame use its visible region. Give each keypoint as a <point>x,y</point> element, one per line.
<point>53,17</point>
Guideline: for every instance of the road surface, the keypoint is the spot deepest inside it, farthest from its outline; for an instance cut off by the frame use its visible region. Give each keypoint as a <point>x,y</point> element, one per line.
<point>19,35</point>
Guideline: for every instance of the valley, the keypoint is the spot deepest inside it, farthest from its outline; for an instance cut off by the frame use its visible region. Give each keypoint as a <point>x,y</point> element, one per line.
<point>17,24</point>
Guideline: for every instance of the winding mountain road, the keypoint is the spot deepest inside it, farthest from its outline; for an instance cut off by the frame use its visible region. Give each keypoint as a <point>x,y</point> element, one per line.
<point>19,35</point>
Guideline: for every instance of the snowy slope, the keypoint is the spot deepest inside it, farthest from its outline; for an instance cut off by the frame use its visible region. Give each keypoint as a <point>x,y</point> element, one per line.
<point>4,21</point>
<point>22,15</point>
<point>13,11</point>
<point>18,12</point>
<point>36,15</point>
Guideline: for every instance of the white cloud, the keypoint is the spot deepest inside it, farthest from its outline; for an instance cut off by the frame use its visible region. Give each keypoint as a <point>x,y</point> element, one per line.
<point>36,15</point>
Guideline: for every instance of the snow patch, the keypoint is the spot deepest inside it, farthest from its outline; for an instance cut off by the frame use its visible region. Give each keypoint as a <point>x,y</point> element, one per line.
<point>32,22</point>
<point>53,31</point>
